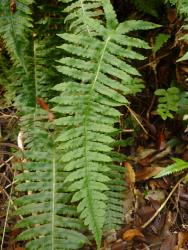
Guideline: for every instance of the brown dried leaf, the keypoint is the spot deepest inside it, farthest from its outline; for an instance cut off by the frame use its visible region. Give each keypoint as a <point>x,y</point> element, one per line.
<point>145,213</point>
<point>119,245</point>
<point>131,234</point>
<point>169,243</point>
<point>146,173</point>
<point>129,174</point>
<point>182,239</point>
<point>12,6</point>
<point>161,141</point>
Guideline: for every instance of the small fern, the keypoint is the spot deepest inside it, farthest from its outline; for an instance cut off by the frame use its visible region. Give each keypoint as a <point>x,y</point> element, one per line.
<point>168,102</point>
<point>98,79</point>
<point>178,166</point>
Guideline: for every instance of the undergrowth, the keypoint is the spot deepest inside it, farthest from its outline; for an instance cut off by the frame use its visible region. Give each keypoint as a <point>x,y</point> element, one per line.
<point>69,68</point>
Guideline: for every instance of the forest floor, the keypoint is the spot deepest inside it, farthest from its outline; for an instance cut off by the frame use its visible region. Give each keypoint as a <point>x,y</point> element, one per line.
<point>156,210</point>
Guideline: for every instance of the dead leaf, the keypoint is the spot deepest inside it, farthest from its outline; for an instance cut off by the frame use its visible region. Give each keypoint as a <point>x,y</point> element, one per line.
<point>119,245</point>
<point>12,6</point>
<point>131,234</point>
<point>42,104</point>
<point>145,213</point>
<point>169,243</point>
<point>129,174</point>
<point>144,152</point>
<point>182,239</point>
<point>172,15</point>
<point>157,195</point>
<point>146,173</point>
<point>161,141</point>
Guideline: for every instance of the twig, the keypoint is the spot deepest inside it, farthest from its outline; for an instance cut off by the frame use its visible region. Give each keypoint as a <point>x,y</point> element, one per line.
<point>6,218</point>
<point>7,161</point>
<point>135,116</point>
<point>152,62</point>
<point>162,205</point>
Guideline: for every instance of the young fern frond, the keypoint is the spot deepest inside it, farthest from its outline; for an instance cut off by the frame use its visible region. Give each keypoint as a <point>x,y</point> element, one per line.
<point>98,78</point>
<point>15,27</point>
<point>48,221</point>
<point>178,166</point>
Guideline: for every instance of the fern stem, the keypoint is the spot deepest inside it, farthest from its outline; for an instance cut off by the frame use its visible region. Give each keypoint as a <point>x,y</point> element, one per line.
<point>34,72</point>
<point>100,61</point>
<point>7,214</point>
<point>83,10</point>
<point>163,204</point>
<point>89,194</point>
<point>53,200</point>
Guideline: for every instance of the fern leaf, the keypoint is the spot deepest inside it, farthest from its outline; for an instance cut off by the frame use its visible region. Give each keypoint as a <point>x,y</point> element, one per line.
<point>77,12</point>
<point>48,221</point>
<point>168,102</point>
<point>114,210</point>
<point>15,28</point>
<point>96,84</point>
<point>178,166</point>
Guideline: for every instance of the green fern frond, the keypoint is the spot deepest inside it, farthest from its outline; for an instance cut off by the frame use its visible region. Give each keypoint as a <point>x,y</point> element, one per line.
<point>168,102</point>
<point>181,5</point>
<point>15,27</point>
<point>78,11</point>
<point>178,166</point>
<point>48,221</point>
<point>115,209</point>
<point>99,73</point>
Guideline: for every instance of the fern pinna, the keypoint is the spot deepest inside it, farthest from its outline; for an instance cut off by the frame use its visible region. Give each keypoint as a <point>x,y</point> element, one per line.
<point>98,74</point>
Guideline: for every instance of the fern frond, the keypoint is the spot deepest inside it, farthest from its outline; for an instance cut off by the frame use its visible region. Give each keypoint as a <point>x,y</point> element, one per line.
<point>99,73</point>
<point>115,210</point>
<point>178,166</point>
<point>168,102</point>
<point>15,28</point>
<point>48,221</point>
<point>78,11</point>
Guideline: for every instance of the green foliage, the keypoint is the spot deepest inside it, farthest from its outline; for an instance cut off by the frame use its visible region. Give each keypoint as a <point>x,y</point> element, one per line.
<point>168,102</point>
<point>14,28</point>
<point>70,177</point>
<point>114,215</point>
<point>183,103</point>
<point>182,7</point>
<point>99,73</point>
<point>48,221</point>
<point>178,166</point>
<point>77,13</point>
<point>152,8</point>
<point>160,40</point>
